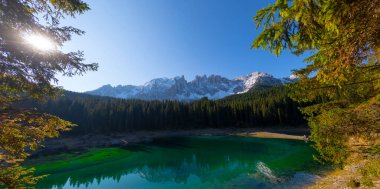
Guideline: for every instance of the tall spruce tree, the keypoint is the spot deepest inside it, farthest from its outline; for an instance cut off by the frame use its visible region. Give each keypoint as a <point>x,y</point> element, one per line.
<point>27,72</point>
<point>342,72</point>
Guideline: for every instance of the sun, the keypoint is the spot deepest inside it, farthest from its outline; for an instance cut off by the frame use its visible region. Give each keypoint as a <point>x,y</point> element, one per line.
<point>40,42</point>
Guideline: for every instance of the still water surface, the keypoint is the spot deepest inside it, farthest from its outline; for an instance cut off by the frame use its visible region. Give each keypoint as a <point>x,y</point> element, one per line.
<point>185,162</point>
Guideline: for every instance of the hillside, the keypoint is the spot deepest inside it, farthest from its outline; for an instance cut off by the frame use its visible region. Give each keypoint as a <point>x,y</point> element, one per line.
<point>95,114</point>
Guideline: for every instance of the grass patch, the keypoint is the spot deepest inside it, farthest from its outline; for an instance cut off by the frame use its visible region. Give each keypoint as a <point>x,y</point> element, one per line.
<point>375,150</point>
<point>370,172</point>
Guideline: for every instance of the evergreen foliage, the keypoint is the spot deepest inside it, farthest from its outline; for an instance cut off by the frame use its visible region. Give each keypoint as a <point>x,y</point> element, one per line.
<point>28,72</point>
<point>95,114</point>
<point>342,71</point>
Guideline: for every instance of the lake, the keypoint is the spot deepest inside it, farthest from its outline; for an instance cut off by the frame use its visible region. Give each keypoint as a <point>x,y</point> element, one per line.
<point>184,162</point>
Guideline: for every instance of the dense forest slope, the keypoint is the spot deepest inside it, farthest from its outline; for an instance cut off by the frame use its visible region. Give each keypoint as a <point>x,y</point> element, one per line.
<point>95,114</point>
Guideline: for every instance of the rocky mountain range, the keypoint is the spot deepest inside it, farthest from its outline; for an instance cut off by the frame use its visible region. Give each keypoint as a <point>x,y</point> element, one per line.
<point>178,88</point>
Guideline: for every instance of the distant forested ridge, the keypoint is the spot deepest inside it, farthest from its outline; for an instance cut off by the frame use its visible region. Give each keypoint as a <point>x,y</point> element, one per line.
<point>95,114</point>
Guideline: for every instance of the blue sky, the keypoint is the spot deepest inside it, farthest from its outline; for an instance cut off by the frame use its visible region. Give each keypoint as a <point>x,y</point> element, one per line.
<point>135,41</point>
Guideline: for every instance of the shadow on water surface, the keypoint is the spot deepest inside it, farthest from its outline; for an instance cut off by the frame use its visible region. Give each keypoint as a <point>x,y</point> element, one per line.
<point>167,143</point>
<point>171,142</point>
<point>135,148</point>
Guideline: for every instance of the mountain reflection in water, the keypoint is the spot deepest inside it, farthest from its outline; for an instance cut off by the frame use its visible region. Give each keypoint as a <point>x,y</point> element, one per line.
<point>188,162</point>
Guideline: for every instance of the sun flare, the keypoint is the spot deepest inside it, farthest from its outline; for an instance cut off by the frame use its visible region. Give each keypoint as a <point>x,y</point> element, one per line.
<point>40,42</point>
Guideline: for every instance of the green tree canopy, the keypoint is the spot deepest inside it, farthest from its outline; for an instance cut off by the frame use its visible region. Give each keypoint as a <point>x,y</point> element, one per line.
<point>27,72</point>
<point>342,71</point>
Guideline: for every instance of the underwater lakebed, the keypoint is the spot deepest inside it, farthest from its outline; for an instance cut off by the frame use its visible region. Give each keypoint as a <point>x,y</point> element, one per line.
<point>185,162</point>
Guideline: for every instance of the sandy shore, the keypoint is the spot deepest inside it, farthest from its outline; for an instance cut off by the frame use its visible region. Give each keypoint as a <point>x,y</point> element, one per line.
<point>273,135</point>
<point>122,139</point>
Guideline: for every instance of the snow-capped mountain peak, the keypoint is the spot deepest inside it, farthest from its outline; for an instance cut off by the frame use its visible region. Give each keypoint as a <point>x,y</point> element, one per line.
<point>293,76</point>
<point>251,79</point>
<point>159,83</point>
<point>178,88</point>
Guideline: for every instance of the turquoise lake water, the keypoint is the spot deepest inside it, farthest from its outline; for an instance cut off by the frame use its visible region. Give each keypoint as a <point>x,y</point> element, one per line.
<point>184,162</point>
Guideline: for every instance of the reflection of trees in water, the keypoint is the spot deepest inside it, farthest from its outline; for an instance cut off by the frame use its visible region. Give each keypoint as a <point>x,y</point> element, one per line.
<point>158,173</point>
<point>177,173</point>
<point>214,161</point>
<point>258,175</point>
<point>206,172</point>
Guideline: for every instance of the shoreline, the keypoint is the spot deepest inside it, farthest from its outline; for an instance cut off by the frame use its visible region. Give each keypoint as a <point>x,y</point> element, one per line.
<point>264,134</point>
<point>83,142</point>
